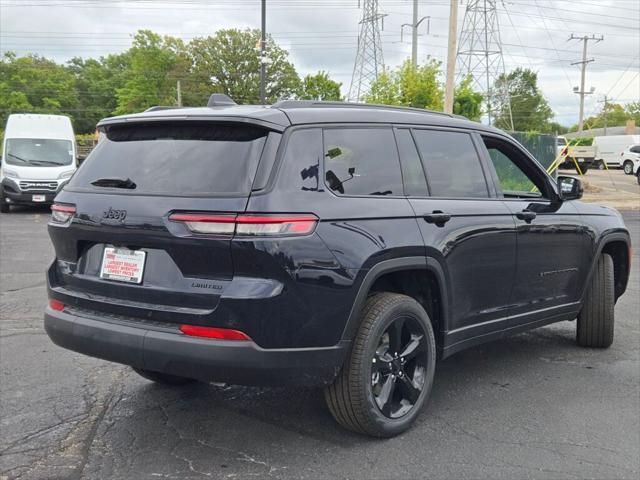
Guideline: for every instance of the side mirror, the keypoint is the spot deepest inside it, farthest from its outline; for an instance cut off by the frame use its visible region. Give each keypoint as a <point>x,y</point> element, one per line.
<point>570,188</point>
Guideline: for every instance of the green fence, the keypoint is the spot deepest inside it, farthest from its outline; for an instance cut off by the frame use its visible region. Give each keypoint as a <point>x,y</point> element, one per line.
<point>541,146</point>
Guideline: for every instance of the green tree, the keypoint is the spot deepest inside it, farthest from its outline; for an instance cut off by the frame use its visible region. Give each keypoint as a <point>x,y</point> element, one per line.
<point>384,90</point>
<point>97,83</point>
<point>319,87</point>
<point>156,65</point>
<point>229,62</point>
<point>467,102</point>
<point>555,127</point>
<point>633,111</point>
<point>34,84</point>
<point>409,86</point>
<point>615,114</point>
<point>529,109</point>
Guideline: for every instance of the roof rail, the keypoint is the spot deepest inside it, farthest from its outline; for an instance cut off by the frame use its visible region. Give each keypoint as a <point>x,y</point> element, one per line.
<point>317,103</point>
<point>159,107</point>
<point>220,100</point>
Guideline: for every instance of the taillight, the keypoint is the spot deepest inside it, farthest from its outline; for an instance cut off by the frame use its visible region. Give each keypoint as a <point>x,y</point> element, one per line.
<point>207,224</point>
<point>56,305</point>
<point>247,225</point>
<point>62,213</point>
<point>214,332</point>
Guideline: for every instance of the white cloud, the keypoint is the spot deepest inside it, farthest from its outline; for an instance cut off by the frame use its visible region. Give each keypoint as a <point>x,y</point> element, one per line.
<point>323,35</point>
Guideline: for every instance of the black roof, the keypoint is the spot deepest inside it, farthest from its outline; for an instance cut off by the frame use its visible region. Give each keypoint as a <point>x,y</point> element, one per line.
<point>300,112</point>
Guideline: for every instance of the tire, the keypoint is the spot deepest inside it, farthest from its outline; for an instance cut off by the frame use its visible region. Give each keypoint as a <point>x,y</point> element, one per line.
<point>596,319</point>
<point>601,165</point>
<point>638,176</point>
<point>628,167</point>
<point>364,380</point>
<point>163,378</point>
<point>583,168</point>
<point>4,206</point>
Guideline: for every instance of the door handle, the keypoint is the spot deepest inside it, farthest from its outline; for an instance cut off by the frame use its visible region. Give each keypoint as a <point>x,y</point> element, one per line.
<point>438,217</point>
<point>526,215</point>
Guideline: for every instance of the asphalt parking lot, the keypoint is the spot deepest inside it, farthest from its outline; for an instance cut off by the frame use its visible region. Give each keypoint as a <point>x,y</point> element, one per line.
<point>532,406</point>
<point>610,187</point>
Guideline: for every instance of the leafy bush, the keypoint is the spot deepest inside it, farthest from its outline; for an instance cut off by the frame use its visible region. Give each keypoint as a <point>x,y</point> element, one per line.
<point>581,142</point>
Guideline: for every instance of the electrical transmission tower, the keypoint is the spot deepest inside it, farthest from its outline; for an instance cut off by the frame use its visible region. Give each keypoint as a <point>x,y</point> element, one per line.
<point>369,62</point>
<point>480,52</point>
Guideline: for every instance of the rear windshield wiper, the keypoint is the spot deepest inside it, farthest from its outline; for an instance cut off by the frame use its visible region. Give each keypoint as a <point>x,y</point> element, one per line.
<point>114,183</point>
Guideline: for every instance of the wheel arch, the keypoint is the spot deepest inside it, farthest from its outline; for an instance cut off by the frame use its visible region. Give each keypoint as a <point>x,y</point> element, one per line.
<point>406,275</point>
<point>618,246</point>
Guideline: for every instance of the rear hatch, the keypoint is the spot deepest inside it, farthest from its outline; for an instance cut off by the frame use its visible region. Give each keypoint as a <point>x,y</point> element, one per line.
<point>121,251</point>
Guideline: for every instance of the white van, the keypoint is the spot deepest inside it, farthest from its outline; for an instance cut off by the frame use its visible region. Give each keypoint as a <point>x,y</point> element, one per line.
<point>38,158</point>
<point>611,147</point>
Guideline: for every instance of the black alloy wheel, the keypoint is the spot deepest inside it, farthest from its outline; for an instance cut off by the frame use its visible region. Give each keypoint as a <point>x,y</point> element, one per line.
<point>399,366</point>
<point>388,376</point>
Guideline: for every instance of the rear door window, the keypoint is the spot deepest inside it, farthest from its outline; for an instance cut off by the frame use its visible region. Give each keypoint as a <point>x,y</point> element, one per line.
<point>452,164</point>
<point>175,159</point>
<point>362,161</point>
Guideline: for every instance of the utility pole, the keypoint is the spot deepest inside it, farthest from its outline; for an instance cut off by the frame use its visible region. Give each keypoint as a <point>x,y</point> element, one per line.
<point>179,90</point>
<point>263,55</point>
<point>414,35</point>
<point>585,39</point>
<point>605,112</point>
<point>414,32</point>
<point>451,57</point>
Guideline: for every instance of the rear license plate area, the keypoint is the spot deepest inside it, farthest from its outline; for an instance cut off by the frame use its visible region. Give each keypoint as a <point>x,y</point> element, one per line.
<point>123,265</point>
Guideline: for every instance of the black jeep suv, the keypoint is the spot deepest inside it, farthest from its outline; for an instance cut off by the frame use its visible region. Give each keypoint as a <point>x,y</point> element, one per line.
<point>322,244</point>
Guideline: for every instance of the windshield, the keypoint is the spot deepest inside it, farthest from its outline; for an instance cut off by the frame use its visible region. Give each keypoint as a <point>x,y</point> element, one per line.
<point>38,152</point>
<point>561,142</point>
<point>179,159</point>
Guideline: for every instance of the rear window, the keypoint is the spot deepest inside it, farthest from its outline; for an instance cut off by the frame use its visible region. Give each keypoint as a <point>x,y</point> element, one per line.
<point>180,159</point>
<point>362,161</point>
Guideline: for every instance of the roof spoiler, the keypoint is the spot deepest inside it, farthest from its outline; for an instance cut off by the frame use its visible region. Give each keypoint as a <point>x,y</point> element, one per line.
<point>220,100</point>
<point>156,108</point>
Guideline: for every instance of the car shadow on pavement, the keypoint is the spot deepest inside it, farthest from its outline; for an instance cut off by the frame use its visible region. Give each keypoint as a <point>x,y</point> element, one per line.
<point>28,209</point>
<point>219,426</point>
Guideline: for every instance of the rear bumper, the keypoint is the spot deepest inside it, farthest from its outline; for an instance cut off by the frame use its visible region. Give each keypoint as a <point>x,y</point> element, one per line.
<point>169,351</point>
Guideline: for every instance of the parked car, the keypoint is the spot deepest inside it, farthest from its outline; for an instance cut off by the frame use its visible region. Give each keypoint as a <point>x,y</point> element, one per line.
<point>38,158</point>
<point>609,148</point>
<point>629,157</point>
<point>579,157</point>
<point>321,244</point>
